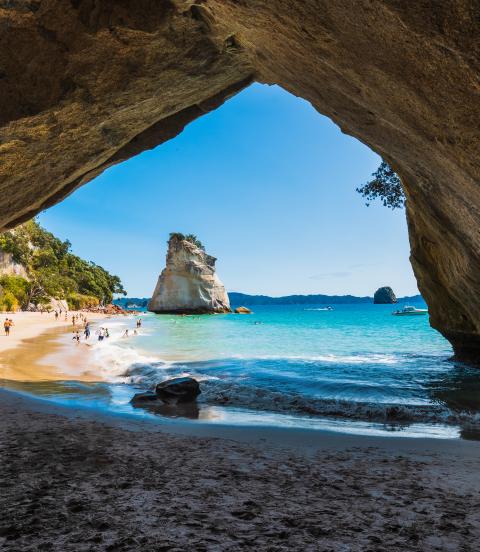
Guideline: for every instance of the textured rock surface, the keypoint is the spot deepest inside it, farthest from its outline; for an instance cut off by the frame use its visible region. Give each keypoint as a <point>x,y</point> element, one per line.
<point>188,284</point>
<point>178,390</point>
<point>384,296</point>
<point>84,85</point>
<point>9,267</point>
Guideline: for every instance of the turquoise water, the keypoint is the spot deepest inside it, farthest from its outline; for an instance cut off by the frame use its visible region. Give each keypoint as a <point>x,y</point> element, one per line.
<point>356,368</point>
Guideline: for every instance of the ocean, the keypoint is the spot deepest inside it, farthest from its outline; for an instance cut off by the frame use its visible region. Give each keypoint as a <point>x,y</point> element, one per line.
<point>354,369</point>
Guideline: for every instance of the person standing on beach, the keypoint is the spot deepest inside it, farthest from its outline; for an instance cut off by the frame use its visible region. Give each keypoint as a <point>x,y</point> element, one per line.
<point>56,315</point>
<point>87,330</point>
<point>6,326</point>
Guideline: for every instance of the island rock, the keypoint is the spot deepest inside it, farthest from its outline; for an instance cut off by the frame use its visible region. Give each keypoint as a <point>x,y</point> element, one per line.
<point>189,283</point>
<point>384,296</point>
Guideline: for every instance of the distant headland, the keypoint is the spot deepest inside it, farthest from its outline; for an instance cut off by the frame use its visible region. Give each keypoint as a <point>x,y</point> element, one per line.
<point>237,299</point>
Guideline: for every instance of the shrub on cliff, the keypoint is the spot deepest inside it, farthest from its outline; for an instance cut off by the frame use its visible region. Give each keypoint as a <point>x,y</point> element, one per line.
<point>187,237</point>
<point>8,301</point>
<point>386,186</point>
<point>77,301</point>
<point>14,288</point>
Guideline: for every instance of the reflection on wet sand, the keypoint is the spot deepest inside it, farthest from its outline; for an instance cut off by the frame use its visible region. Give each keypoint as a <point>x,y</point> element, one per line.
<point>181,410</point>
<point>459,390</point>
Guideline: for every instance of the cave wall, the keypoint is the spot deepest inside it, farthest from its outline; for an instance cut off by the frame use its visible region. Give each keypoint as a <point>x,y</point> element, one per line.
<point>85,84</point>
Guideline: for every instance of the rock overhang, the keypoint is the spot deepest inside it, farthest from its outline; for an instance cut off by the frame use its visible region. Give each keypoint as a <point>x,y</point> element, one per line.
<point>86,85</point>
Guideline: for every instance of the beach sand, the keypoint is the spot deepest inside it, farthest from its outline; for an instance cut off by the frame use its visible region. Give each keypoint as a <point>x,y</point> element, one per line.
<point>77,481</point>
<point>30,339</point>
<point>85,480</point>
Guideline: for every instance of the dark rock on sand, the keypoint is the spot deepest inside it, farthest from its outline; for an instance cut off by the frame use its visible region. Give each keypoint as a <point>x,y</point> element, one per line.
<point>144,398</point>
<point>178,390</point>
<point>384,296</point>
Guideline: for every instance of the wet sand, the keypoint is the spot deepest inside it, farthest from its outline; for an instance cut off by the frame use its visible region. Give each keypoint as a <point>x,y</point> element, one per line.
<point>78,481</point>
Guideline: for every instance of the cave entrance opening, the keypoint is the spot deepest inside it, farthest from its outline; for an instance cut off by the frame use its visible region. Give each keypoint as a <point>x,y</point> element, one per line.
<point>266,182</point>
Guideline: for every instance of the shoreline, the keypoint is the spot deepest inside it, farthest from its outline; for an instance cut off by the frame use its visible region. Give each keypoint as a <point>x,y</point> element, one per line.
<point>80,479</point>
<point>36,363</point>
<point>32,338</point>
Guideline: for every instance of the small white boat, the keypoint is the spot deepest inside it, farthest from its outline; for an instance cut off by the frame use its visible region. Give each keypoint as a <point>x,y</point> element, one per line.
<point>409,311</point>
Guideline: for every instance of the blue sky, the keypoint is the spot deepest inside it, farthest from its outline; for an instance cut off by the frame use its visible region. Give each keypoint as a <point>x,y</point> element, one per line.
<point>267,184</point>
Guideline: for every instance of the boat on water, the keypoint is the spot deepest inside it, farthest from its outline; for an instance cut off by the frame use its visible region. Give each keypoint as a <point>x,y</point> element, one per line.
<point>409,311</point>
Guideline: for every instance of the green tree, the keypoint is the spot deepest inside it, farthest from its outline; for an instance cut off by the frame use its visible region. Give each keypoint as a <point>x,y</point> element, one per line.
<point>53,271</point>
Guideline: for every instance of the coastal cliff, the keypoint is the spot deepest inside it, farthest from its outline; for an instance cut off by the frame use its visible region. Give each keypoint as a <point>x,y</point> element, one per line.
<point>188,284</point>
<point>8,266</point>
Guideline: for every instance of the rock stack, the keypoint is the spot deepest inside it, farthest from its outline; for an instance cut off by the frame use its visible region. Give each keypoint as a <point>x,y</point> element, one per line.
<point>384,296</point>
<point>188,284</point>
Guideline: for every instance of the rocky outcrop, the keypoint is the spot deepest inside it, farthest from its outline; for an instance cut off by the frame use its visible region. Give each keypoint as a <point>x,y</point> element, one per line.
<point>8,267</point>
<point>242,310</point>
<point>59,305</point>
<point>189,283</point>
<point>400,76</point>
<point>384,296</point>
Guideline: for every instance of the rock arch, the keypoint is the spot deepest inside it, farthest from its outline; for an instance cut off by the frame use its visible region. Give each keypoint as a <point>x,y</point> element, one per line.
<point>85,84</point>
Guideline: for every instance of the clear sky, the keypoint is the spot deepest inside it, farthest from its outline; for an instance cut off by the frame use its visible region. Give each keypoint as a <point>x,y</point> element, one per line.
<point>267,184</point>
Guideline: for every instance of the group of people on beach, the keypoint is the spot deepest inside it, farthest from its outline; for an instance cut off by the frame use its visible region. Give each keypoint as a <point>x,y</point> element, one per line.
<point>102,333</point>
<point>58,314</point>
<point>7,325</point>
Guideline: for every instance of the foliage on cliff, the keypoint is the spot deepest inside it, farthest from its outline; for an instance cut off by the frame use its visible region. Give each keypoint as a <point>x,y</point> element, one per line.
<point>187,237</point>
<point>53,271</point>
<point>386,186</point>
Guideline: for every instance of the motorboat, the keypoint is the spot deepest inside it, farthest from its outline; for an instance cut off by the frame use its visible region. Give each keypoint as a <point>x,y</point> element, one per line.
<point>409,311</point>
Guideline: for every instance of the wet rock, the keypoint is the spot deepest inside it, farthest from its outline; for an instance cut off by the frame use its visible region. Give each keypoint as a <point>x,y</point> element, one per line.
<point>141,398</point>
<point>178,390</point>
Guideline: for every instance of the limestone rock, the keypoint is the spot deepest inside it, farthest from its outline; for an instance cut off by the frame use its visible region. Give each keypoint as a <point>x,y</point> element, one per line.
<point>384,296</point>
<point>8,267</point>
<point>188,284</point>
<point>178,390</point>
<point>57,305</point>
<point>242,310</point>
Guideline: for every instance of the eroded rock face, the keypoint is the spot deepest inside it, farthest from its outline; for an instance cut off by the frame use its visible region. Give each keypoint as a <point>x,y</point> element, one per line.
<point>189,283</point>
<point>8,267</point>
<point>84,85</point>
